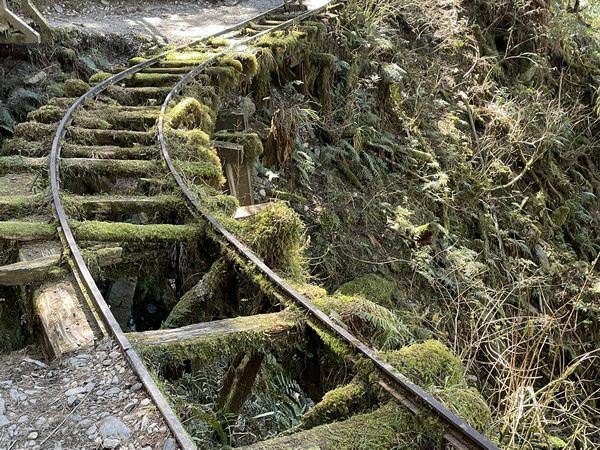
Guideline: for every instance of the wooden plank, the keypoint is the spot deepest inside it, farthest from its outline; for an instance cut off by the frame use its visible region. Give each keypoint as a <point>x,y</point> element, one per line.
<point>274,324</point>
<point>64,327</point>
<point>229,152</point>
<point>27,272</point>
<point>38,270</point>
<point>112,204</point>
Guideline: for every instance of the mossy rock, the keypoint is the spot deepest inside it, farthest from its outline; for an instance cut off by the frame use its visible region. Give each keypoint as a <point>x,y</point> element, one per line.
<point>429,363</point>
<point>76,88</point>
<point>372,287</point>
<point>99,77</point>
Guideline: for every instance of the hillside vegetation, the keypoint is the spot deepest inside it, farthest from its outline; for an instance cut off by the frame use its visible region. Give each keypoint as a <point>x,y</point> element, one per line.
<point>445,158</point>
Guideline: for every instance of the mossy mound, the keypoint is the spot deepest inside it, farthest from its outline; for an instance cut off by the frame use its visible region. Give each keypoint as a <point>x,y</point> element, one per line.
<point>76,88</point>
<point>276,235</point>
<point>190,114</point>
<point>429,363</point>
<point>372,287</point>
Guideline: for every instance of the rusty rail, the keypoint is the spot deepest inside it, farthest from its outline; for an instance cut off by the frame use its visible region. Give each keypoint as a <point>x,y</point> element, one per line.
<point>85,276</point>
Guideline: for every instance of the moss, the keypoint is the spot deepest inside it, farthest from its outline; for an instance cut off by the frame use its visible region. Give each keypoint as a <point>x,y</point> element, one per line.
<point>224,78</point>
<point>27,231</point>
<point>190,57</point>
<point>21,205</point>
<point>137,96</point>
<point>372,287</point>
<point>152,80</point>
<point>337,404</point>
<point>253,146</point>
<point>34,131</point>
<point>104,152</point>
<point>560,215</point>
<point>428,363</point>
<point>122,138</point>
<point>287,196</point>
<point>276,234</point>
<point>76,88</point>
<point>125,232</point>
<point>201,173</point>
<point>387,427</point>
<point>249,63</point>
<point>223,204</point>
<point>137,60</point>
<point>99,77</point>
<point>47,114</point>
<point>23,164</point>
<point>113,167</point>
<point>92,123</point>
<point>240,336</point>
<point>190,114</point>
<point>217,42</point>
<point>232,62</point>
<point>468,404</point>
<point>20,146</point>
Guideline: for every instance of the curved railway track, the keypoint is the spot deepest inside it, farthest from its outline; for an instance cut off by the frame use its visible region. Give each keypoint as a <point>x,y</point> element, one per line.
<point>119,106</point>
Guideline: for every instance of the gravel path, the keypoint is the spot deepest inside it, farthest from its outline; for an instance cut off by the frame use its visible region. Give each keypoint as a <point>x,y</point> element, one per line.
<point>89,400</point>
<point>170,21</point>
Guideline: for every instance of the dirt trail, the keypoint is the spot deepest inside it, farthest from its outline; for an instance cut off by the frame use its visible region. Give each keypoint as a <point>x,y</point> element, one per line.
<point>171,21</point>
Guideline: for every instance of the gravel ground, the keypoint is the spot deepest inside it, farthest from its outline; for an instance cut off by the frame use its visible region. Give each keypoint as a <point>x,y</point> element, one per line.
<point>89,400</point>
<point>170,21</point>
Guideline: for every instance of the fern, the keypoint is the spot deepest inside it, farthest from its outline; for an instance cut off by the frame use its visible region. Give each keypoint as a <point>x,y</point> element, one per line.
<point>389,331</point>
<point>23,101</point>
<point>7,123</point>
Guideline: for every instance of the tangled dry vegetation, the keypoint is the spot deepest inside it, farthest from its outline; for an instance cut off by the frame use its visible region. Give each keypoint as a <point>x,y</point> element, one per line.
<point>457,157</point>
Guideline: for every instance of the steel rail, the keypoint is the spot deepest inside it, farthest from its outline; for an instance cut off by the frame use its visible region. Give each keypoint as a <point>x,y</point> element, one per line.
<point>461,432</point>
<point>85,277</point>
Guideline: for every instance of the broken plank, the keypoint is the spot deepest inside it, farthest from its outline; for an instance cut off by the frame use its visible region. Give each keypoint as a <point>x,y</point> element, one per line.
<point>64,327</point>
<point>211,340</point>
<point>41,269</point>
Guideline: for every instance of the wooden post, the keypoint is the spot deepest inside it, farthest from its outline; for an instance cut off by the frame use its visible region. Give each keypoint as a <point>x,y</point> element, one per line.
<point>234,394</point>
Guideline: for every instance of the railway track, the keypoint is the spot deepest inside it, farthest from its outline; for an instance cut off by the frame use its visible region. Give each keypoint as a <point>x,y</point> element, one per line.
<point>115,188</point>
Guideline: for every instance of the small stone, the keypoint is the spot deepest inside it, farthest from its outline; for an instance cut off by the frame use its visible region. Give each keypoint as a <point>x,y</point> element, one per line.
<point>58,8</point>
<point>107,362</point>
<point>114,355</point>
<point>71,400</point>
<point>34,80</point>
<point>136,387</point>
<point>112,391</point>
<point>75,391</point>
<point>23,419</point>
<point>40,422</point>
<point>91,430</point>
<point>113,427</point>
<point>90,387</point>
<point>129,407</point>
<point>110,443</point>
<point>3,421</point>
<point>145,402</point>
<point>2,406</point>
<point>32,436</point>
<point>170,444</point>
<point>263,193</point>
